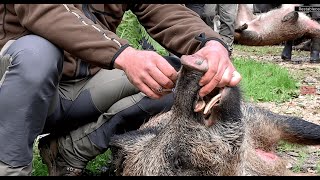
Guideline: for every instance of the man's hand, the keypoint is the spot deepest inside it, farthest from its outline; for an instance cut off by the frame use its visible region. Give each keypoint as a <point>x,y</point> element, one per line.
<point>147,70</point>
<point>221,71</point>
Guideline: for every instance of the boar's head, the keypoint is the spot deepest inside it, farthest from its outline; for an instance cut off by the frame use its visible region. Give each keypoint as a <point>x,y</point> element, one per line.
<point>198,136</point>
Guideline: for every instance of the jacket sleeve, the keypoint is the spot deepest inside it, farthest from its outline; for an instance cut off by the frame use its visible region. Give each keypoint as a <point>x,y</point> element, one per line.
<point>176,27</point>
<point>68,28</point>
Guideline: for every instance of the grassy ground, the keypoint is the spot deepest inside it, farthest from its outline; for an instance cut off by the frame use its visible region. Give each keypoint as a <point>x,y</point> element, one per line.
<point>262,81</point>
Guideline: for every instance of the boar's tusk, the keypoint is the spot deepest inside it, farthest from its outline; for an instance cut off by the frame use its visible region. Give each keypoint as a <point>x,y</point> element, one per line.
<point>211,103</point>
<point>199,106</point>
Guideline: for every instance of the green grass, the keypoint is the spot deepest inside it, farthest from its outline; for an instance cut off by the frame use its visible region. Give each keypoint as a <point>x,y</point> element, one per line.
<point>259,50</point>
<point>39,169</point>
<point>302,155</point>
<point>301,152</point>
<point>101,160</point>
<point>318,163</point>
<point>269,50</point>
<point>93,167</point>
<point>131,30</point>
<point>301,159</point>
<point>261,81</point>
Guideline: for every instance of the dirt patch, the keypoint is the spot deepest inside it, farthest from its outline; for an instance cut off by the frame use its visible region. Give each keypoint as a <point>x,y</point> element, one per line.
<point>306,105</point>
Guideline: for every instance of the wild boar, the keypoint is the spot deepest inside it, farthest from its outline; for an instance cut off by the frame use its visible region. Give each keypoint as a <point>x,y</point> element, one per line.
<point>273,27</point>
<point>218,135</point>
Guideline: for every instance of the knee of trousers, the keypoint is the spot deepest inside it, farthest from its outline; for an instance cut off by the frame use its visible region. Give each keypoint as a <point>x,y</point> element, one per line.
<point>35,57</point>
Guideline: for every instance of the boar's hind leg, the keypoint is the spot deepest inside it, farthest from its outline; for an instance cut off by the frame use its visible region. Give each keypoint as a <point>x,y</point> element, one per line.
<point>287,51</point>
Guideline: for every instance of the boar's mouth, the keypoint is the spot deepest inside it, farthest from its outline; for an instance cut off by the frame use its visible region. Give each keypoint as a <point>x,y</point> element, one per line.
<point>218,104</point>
<point>206,105</point>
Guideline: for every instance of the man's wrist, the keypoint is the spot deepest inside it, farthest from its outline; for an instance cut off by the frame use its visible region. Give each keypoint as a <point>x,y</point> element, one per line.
<point>120,59</point>
<point>215,43</point>
<point>202,38</point>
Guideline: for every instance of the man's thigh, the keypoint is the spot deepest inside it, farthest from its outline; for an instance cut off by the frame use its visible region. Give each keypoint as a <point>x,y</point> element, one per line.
<point>83,101</point>
<point>109,86</point>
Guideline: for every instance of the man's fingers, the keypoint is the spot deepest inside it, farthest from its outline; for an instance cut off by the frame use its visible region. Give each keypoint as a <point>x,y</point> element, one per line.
<point>161,79</point>
<point>146,84</point>
<point>206,89</point>
<point>211,78</point>
<point>154,85</point>
<point>236,78</point>
<point>148,91</point>
<point>226,78</point>
<point>167,70</point>
<point>213,67</point>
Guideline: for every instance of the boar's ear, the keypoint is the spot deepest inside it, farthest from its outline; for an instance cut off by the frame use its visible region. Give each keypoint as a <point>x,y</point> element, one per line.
<point>132,139</point>
<point>291,17</point>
